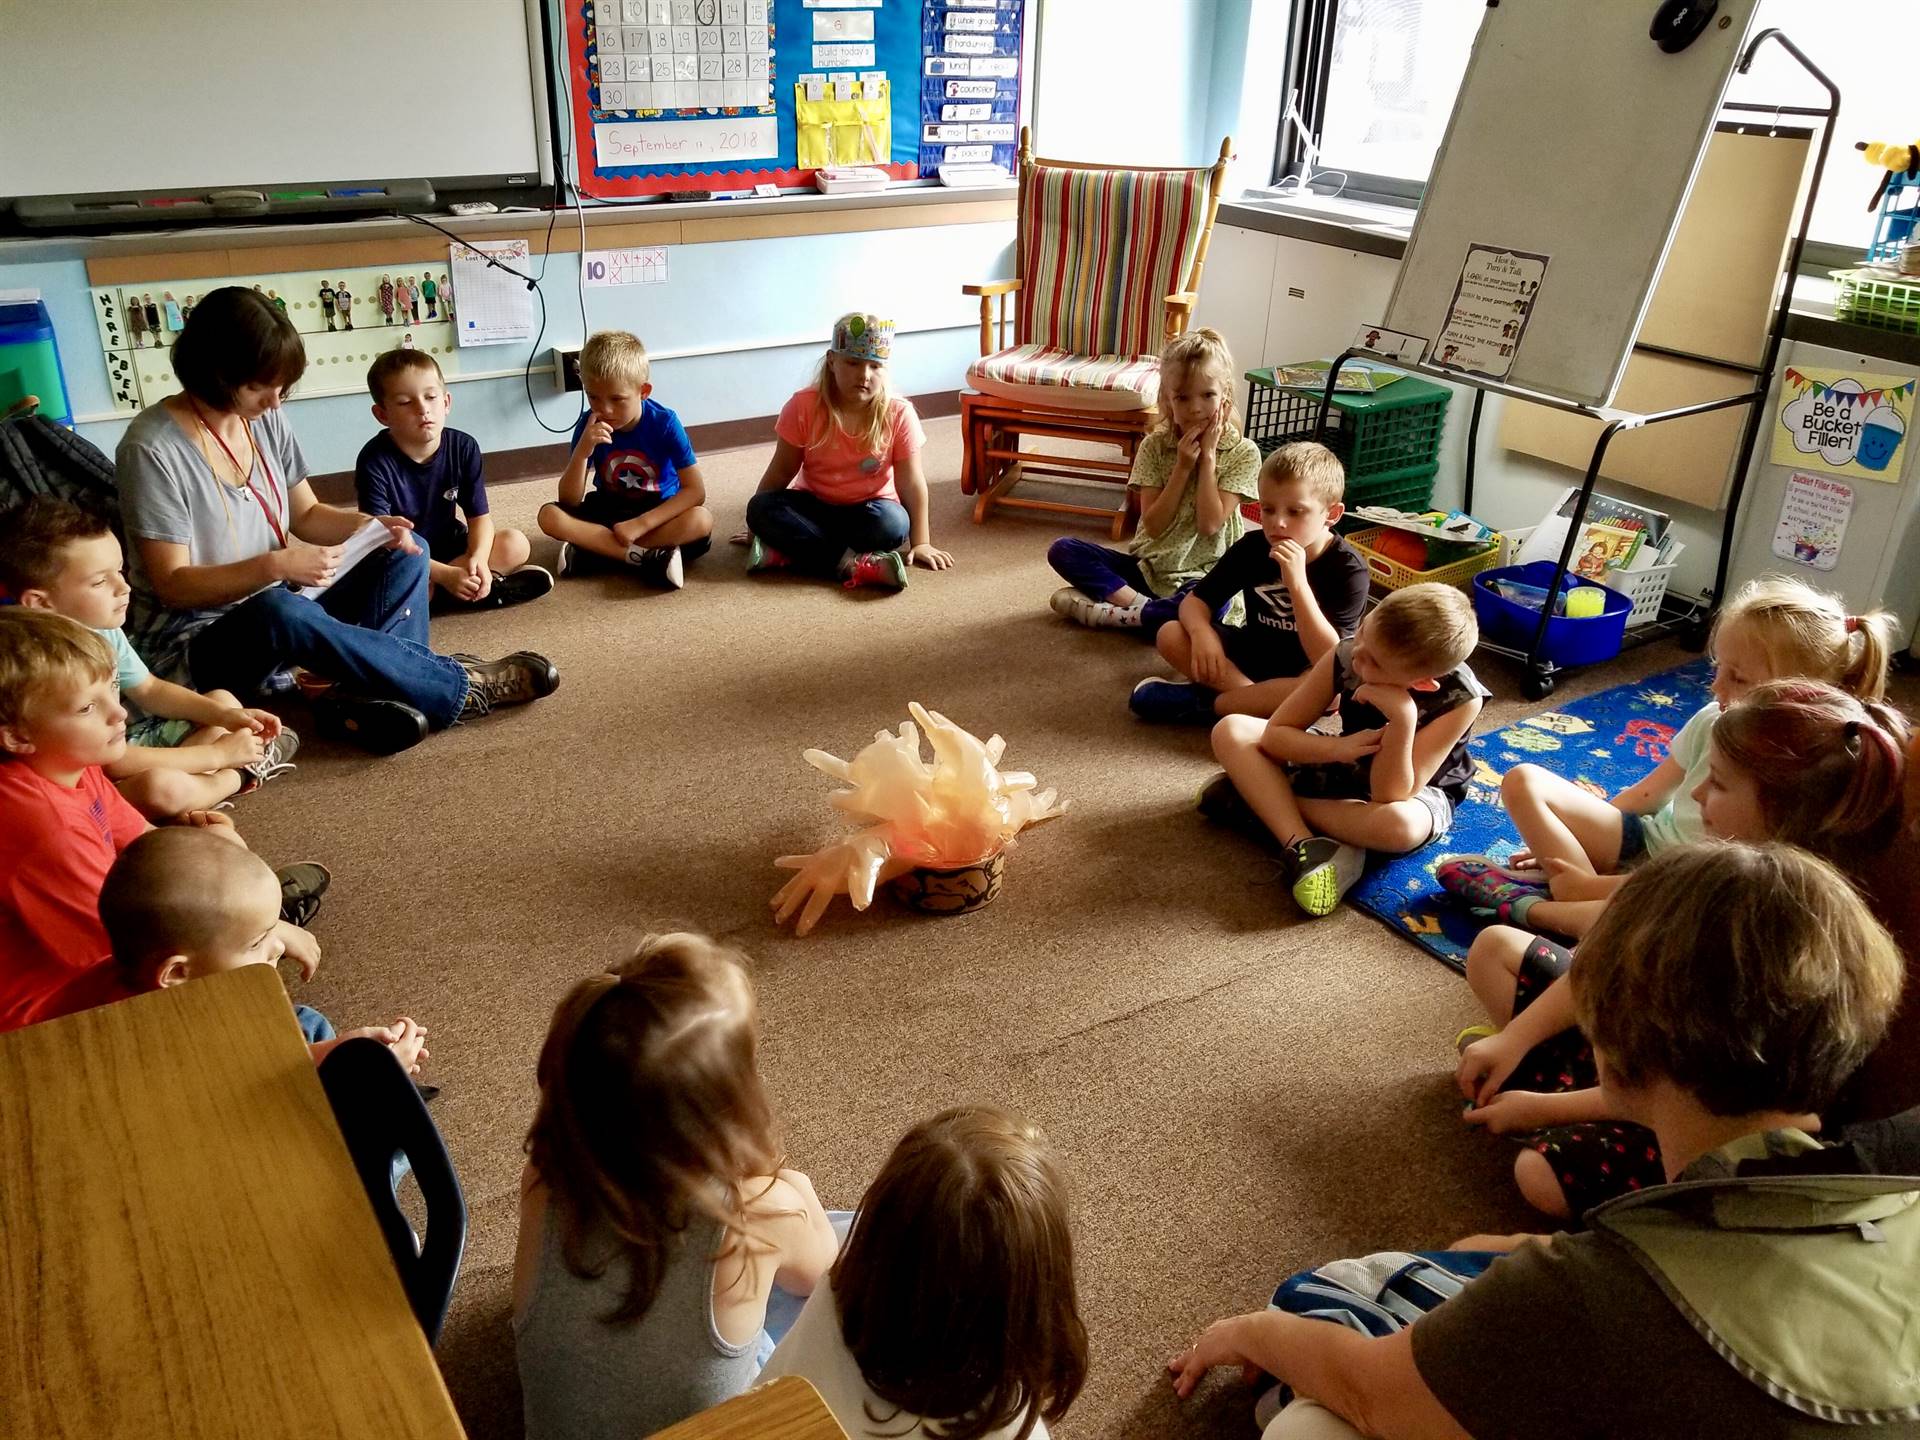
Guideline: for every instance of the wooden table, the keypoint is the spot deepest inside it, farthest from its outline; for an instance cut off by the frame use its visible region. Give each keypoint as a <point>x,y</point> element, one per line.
<point>785,1409</point>
<point>186,1247</point>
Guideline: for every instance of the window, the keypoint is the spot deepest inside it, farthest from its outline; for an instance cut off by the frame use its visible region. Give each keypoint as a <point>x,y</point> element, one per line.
<point>1372,83</point>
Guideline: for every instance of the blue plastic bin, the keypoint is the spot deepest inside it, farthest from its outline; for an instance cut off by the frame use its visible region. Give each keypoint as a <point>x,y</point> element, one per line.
<point>1570,641</point>
<point>30,360</point>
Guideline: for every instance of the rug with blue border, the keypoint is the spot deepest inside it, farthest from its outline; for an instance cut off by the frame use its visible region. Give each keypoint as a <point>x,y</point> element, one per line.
<point>1603,743</point>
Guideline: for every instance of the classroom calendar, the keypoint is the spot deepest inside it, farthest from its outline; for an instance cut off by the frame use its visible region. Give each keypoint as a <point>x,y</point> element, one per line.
<point>659,55</point>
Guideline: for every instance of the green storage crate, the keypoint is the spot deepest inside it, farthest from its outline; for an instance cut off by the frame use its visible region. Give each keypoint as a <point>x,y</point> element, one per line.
<point>1876,299</point>
<point>1381,436</point>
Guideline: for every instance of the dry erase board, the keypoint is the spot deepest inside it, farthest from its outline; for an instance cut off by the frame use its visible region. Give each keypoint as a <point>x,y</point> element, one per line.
<point>1571,150</point>
<point>727,94</point>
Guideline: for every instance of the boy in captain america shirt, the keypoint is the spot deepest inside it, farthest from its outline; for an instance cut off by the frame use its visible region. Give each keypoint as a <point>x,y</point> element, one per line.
<point>646,506</point>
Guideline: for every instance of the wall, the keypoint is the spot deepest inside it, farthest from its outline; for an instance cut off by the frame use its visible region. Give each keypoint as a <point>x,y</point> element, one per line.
<point>1129,81</point>
<point>760,308</point>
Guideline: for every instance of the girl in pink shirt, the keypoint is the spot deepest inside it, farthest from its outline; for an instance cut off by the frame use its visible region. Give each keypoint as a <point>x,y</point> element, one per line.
<point>843,494</point>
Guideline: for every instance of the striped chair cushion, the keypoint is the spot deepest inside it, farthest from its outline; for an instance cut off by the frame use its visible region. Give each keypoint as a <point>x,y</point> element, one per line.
<point>1042,375</point>
<point>1100,250</point>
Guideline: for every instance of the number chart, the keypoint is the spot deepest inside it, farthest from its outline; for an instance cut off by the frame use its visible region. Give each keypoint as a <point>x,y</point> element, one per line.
<point>727,94</point>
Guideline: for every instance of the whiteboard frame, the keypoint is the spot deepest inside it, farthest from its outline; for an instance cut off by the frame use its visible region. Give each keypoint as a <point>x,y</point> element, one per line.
<point>1509,194</point>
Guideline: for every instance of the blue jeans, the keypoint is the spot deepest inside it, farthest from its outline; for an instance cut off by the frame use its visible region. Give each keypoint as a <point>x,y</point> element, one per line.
<point>368,633</point>
<point>784,1308</point>
<point>1098,571</point>
<point>816,535</point>
<point>315,1026</point>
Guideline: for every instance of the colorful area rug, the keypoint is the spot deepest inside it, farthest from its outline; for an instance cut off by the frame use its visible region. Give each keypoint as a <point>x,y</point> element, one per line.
<point>1605,743</point>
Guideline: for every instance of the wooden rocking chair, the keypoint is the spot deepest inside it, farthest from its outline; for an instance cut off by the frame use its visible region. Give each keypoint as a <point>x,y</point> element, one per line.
<point>1109,264</point>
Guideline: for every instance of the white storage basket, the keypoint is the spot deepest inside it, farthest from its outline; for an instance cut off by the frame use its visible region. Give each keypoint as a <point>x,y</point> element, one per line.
<point>1645,588</point>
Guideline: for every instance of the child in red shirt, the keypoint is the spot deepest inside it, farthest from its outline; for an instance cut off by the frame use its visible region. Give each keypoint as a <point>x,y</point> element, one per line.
<point>183,903</point>
<point>844,494</point>
<point>60,721</point>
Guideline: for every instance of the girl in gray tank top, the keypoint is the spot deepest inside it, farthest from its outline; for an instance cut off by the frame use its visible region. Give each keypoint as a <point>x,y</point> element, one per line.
<point>654,1216</point>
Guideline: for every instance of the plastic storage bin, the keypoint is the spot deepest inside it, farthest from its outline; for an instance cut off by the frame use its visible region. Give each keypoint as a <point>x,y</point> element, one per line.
<point>1877,299</point>
<point>1388,439</point>
<point>1390,574</point>
<point>1646,589</point>
<point>30,361</point>
<point>1570,641</point>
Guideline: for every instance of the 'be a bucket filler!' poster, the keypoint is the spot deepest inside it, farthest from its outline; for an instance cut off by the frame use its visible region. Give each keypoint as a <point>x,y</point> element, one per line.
<point>1844,423</point>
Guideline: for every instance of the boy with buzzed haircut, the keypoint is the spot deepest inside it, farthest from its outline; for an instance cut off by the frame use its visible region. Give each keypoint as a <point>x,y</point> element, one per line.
<point>1302,587</point>
<point>646,507</point>
<point>181,904</point>
<point>1391,779</point>
<point>429,474</point>
<point>185,751</point>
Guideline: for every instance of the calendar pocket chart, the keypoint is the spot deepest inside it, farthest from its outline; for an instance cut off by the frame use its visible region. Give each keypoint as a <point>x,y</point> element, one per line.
<point>672,95</point>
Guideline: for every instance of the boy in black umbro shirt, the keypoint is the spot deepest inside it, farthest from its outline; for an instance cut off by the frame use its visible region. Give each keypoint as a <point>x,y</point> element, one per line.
<point>1301,587</point>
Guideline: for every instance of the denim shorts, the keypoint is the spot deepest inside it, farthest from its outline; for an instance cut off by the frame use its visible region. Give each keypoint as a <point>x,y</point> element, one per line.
<point>1633,839</point>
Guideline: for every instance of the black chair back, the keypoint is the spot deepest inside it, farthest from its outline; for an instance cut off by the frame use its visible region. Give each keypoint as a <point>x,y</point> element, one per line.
<point>381,1115</point>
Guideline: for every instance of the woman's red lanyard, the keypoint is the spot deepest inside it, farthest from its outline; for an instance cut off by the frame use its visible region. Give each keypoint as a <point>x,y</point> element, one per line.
<point>273,485</point>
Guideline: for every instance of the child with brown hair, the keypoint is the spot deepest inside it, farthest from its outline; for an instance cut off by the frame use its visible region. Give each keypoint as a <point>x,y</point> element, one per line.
<point>1300,586</point>
<point>647,503</point>
<point>952,1312</point>
<point>1190,475</point>
<point>1578,846</point>
<point>61,721</point>
<point>844,495</point>
<point>1390,779</point>
<point>1795,762</point>
<point>185,751</point>
<point>429,474</point>
<point>656,1215</point>
<point>1762,1287</point>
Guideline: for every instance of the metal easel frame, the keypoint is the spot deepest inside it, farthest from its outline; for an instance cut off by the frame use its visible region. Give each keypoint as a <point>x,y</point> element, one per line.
<point>1677,614</point>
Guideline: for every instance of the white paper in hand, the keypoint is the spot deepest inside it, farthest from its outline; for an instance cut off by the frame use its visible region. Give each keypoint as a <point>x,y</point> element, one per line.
<point>371,536</point>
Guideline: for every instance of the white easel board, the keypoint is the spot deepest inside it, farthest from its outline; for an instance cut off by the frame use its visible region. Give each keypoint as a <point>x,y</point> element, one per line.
<point>1573,143</point>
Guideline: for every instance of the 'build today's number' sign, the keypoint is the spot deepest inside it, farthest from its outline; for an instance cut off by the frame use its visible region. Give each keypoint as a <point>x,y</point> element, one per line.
<point>1843,422</point>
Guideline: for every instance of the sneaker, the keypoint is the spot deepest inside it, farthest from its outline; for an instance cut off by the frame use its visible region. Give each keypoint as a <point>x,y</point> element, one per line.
<point>511,680</point>
<point>1221,802</point>
<point>280,685</point>
<point>1172,702</point>
<point>761,556</point>
<point>568,565</point>
<point>1484,885</point>
<point>882,568</point>
<point>275,760</point>
<point>1081,608</point>
<point>660,564</point>
<point>529,582</point>
<point>301,886</point>
<point>1326,870</point>
<point>380,727</point>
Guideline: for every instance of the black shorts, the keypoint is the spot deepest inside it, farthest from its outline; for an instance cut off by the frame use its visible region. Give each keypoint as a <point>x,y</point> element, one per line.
<point>1244,648</point>
<point>608,508</point>
<point>449,545</point>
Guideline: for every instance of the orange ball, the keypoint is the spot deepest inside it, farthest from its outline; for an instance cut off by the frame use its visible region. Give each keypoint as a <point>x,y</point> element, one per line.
<point>1401,547</point>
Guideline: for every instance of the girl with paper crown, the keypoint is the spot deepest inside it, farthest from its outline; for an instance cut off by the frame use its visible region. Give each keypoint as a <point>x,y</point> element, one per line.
<point>844,495</point>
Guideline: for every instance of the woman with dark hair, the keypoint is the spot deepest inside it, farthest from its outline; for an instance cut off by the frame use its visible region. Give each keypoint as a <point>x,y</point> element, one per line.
<point>228,543</point>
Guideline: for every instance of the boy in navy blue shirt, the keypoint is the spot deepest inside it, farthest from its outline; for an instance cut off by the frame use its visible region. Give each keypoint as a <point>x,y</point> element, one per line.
<point>419,469</point>
<point>646,506</point>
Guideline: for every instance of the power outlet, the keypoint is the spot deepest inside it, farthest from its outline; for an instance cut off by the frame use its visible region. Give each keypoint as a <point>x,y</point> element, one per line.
<point>566,367</point>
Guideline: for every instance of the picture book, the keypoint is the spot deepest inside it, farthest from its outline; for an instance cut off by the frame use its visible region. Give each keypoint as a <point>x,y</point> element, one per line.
<point>1355,376</point>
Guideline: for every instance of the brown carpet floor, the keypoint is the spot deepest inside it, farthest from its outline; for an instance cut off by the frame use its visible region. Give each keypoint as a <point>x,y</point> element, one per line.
<point>1237,1091</point>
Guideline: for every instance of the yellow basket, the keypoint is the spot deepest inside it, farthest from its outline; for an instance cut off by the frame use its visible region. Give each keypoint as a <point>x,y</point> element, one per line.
<point>1392,575</point>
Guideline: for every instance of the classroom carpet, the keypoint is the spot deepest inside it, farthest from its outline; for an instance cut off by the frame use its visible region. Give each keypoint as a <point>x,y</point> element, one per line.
<point>1603,743</point>
<point>1236,1091</point>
